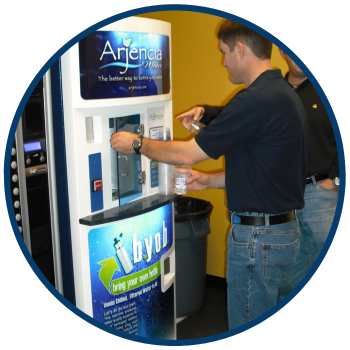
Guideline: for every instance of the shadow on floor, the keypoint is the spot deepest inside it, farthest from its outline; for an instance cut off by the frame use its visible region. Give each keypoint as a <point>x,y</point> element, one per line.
<point>211,319</point>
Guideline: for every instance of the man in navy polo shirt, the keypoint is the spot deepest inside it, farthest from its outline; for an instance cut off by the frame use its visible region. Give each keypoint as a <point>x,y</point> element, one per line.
<point>262,133</point>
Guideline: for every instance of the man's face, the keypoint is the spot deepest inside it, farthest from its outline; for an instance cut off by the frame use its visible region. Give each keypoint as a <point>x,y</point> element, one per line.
<point>293,68</point>
<point>231,60</point>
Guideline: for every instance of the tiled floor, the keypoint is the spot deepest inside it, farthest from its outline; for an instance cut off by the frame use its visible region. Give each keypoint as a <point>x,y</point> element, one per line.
<point>212,318</point>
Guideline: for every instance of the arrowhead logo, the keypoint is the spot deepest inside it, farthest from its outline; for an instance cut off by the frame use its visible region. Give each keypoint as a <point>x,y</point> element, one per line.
<point>107,271</point>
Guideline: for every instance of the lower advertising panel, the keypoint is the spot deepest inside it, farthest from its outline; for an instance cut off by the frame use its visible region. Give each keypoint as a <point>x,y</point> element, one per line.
<point>129,262</point>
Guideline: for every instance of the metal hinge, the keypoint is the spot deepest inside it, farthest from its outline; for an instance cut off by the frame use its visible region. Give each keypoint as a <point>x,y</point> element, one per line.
<point>142,177</point>
<point>141,129</point>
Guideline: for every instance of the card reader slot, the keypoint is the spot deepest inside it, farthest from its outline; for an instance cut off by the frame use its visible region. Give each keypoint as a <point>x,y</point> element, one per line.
<point>36,170</point>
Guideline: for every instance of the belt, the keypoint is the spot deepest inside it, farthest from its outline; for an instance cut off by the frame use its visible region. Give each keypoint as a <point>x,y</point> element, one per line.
<point>260,220</point>
<point>310,180</point>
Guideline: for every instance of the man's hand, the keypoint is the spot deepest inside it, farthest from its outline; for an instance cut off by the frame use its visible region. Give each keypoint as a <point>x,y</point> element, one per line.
<point>193,114</point>
<point>122,141</point>
<point>328,183</point>
<point>198,181</point>
<point>202,181</point>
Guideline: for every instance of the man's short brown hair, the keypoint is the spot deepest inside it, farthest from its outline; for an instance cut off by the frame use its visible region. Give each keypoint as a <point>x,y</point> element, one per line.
<point>231,32</point>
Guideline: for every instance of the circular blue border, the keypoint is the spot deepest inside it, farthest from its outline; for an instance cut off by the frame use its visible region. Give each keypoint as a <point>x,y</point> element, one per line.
<point>72,42</point>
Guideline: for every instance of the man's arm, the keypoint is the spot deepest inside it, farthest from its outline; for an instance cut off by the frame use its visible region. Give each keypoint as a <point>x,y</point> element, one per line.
<point>202,181</point>
<point>170,152</point>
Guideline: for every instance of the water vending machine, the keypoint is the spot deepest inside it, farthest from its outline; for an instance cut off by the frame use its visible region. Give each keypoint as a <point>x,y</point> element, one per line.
<point>121,231</point>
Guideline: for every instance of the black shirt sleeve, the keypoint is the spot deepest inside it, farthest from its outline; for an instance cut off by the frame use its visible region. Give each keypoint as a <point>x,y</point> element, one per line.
<point>210,114</point>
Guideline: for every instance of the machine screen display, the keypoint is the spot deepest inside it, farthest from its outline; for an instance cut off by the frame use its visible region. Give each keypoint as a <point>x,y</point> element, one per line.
<point>124,64</point>
<point>32,146</point>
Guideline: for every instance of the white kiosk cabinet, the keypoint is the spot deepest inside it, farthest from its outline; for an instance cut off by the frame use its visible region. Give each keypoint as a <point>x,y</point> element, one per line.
<point>121,230</point>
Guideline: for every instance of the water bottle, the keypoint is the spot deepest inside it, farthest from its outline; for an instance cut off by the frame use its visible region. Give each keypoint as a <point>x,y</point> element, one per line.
<point>196,126</point>
<point>181,174</point>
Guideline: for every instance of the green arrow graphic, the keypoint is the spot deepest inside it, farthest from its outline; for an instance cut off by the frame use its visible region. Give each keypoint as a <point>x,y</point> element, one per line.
<point>107,271</point>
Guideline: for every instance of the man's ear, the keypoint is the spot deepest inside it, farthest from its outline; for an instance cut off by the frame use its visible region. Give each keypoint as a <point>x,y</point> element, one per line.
<point>240,48</point>
<point>282,54</point>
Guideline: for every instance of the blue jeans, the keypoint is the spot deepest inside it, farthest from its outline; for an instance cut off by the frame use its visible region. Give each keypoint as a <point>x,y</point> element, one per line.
<point>258,258</point>
<point>315,222</point>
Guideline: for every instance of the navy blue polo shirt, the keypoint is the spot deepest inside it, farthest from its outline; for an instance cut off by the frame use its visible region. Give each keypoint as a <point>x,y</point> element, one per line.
<point>262,132</point>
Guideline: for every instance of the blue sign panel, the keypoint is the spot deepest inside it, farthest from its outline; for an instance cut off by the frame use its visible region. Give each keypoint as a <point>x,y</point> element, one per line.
<point>95,172</point>
<point>126,268</point>
<point>124,64</point>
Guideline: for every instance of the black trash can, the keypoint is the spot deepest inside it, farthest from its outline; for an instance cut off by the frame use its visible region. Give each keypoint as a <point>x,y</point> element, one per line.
<point>191,230</point>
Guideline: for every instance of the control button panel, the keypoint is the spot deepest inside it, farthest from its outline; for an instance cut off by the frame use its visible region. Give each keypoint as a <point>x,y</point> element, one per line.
<point>35,156</point>
<point>15,186</point>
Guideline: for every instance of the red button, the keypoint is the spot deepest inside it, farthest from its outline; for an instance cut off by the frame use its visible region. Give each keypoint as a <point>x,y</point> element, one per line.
<point>97,185</point>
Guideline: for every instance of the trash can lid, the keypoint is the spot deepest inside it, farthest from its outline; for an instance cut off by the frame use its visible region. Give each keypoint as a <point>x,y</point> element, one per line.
<point>191,209</point>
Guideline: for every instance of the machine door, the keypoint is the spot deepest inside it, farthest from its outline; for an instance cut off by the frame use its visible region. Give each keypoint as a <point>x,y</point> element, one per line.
<point>126,167</point>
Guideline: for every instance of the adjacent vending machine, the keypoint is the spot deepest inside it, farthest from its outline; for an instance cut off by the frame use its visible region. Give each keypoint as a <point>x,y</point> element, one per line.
<point>116,232</point>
